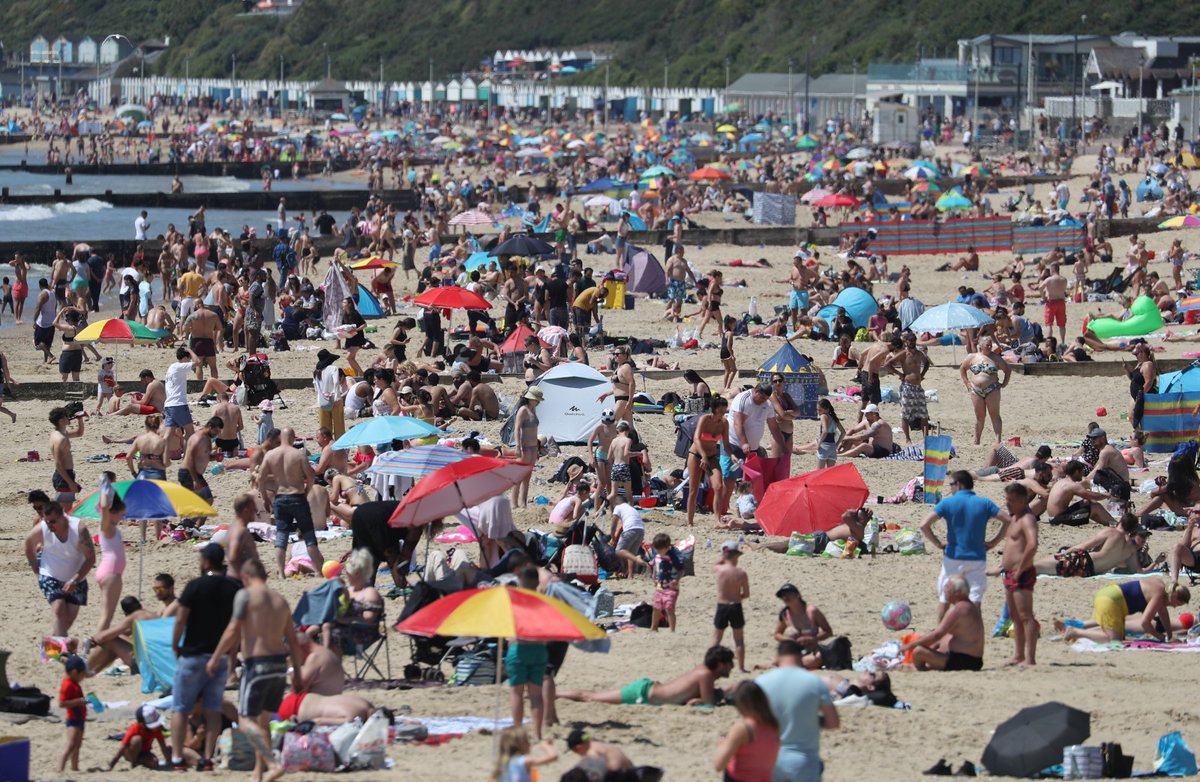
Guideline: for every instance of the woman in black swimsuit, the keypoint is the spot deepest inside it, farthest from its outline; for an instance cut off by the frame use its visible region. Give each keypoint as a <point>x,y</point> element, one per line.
<point>728,360</point>
<point>712,309</point>
<point>358,340</point>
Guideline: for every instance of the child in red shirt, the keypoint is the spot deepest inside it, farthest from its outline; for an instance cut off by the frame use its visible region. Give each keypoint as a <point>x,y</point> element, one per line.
<point>141,735</point>
<point>70,697</point>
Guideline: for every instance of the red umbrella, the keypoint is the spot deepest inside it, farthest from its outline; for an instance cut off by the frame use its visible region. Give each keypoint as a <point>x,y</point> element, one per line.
<point>811,502</point>
<point>452,297</point>
<point>837,199</point>
<point>708,173</point>
<point>456,487</point>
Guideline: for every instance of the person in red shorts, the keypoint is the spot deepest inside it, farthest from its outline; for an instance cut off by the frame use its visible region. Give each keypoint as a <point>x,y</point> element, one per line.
<point>141,735</point>
<point>1054,296</point>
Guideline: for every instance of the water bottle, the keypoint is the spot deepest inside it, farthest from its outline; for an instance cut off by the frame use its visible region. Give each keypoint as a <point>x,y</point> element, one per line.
<point>753,310</point>
<point>872,535</point>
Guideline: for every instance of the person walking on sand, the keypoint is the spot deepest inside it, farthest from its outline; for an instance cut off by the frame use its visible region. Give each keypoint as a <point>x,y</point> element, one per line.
<point>262,624</point>
<point>284,479</point>
<point>733,587</point>
<point>966,545</point>
<point>60,552</point>
<point>803,707</point>
<point>1020,576</point>
<point>984,383</point>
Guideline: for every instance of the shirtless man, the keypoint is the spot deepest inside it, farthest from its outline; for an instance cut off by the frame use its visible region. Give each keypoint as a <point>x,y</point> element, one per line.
<point>262,624</point>
<point>623,386</point>
<point>870,359</point>
<point>871,436</point>
<point>597,755</point>
<point>206,334</point>
<point>696,687</point>
<point>678,271</point>
<point>1109,551</point>
<point>1020,576</point>
<point>516,293</point>
<point>910,365</point>
<point>116,642</point>
<point>240,546</point>
<point>283,480</point>
<point>1111,470</point>
<point>958,637</point>
<point>154,397</point>
<point>60,269</point>
<point>1054,297</point>
<point>1088,506</point>
<point>150,450</point>
<point>335,458</point>
<point>196,455</point>
<point>63,477</point>
<point>324,701</point>
<point>232,425</point>
<point>801,278</point>
<point>475,400</point>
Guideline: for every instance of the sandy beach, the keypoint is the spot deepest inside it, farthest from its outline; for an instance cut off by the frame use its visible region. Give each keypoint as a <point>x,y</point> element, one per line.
<point>952,714</point>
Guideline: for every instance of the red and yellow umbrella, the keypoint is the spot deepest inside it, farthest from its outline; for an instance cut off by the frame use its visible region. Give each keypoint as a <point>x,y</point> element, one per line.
<point>501,612</point>
<point>374,262</point>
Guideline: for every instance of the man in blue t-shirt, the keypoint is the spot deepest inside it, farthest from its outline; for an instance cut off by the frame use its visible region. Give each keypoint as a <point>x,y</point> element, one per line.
<point>802,706</point>
<point>966,545</point>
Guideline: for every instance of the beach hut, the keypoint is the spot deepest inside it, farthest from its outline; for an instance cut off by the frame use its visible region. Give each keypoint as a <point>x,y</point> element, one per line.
<point>368,305</point>
<point>645,274</point>
<point>801,380</point>
<point>571,406</point>
<point>512,351</point>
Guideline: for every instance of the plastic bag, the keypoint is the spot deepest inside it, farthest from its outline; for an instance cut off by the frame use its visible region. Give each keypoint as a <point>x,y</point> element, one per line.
<point>307,752</point>
<point>234,752</point>
<point>342,738</point>
<point>800,545</point>
<point>909,541</point>
<point>1174,757</point>
<point>369,749</point>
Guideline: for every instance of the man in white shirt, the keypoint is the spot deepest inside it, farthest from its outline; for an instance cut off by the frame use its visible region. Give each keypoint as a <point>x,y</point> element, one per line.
<point>178,415</point>
<point>750,414</point>
<point>140,226</point>
<point>330,394</point>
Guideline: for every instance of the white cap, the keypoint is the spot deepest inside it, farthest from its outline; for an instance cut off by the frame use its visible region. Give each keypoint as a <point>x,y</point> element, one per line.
<point>871,408</point>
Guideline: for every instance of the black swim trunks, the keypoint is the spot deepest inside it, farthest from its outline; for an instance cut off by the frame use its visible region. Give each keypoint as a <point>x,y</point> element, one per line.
<point>957,661</point>
<point>264,682</point>
<point>1077,514</point>
<point>729,615</point>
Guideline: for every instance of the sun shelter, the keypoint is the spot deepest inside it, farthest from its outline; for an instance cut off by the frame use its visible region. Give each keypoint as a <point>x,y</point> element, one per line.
<point>570,408</point>
<point>152,649</point>
<point>368,306</point>
<point>800,380</point>
<point>857,303</point>
<point>645,274</point>
<point>512,351</point>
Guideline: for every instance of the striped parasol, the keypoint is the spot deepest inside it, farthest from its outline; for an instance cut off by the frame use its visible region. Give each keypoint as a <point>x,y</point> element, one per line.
<point>416,462</point>
<point>471,217</point>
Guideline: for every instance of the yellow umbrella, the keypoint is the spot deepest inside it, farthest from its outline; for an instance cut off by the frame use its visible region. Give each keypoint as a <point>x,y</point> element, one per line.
<point>726,129</point>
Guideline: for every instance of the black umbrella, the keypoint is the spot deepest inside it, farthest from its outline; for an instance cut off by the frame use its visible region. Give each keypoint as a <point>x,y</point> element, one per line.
<point>528,246</point>
<point>1034,739</point>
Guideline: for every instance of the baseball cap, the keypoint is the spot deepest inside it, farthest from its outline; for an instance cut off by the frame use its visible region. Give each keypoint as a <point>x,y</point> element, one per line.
<point>151,717</point>
<point>75,663</point>
<point>787,589</point>
<point>213,553</point>
<point>731,546</point>
<point>577,737</point>
<point>1097,432</point>
<point>1145,533</point>
<point>871,408</point>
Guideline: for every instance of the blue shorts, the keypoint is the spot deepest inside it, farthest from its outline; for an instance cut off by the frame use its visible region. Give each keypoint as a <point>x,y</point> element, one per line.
<point>75,723</point>
<point>676,290</point>
<point>798,301</point>
<point>152,474</point>
<point>526,663</point>
<point>192,682</point>
<point>293,510</point>
<point>178,416</point>
<point>727,468</point>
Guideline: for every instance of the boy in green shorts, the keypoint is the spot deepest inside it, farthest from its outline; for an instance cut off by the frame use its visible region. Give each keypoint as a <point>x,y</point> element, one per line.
<point>526,663</point>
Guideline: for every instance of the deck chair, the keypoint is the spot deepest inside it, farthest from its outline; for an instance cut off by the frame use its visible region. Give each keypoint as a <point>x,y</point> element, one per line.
<point>363,655</point>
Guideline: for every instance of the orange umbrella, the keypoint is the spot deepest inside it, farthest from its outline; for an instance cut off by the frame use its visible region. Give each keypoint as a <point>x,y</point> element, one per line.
<point>708,172</point>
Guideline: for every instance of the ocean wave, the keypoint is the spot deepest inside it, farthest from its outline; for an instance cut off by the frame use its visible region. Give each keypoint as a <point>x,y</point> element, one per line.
<point>213,184</point>
<point>11,214</point>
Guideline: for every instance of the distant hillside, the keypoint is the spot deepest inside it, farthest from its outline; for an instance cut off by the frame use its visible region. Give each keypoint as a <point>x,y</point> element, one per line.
<point>695,35</point>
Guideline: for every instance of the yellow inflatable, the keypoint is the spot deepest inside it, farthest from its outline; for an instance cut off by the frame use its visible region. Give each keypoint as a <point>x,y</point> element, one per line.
<point>1144,318</point>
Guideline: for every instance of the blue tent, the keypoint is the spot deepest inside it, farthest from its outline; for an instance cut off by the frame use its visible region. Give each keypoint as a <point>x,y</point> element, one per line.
<point>1184,381</point>
<point>155,658</point>
<point>368,305</point>
<point>636,223</point>
<point>477,260</point>
<point>800,380</point>
<point>601,185</point>
<point>1149,190</point>
<point>857,303</point>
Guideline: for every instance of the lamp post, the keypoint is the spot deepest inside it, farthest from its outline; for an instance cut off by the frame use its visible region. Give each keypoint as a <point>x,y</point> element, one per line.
<point>726,96</point>
<point>975,107</point>
<point>791,104</point>
<point>1192,116</point>
<point>1075,79</point>
<point>606,98</point>
<point>233,79</point>
<point>807,79</point>
<point>106,40</point>
<point>1141,65</point>
<point>666,78</point>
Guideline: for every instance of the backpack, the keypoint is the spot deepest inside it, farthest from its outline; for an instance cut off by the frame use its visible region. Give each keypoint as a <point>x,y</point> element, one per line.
<point>836,655</point>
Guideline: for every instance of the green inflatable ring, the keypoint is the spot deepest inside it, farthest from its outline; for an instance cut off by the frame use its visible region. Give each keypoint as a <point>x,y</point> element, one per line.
<point>1144,318</point>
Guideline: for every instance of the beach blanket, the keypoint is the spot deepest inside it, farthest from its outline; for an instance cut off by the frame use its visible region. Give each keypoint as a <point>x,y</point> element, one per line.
<point>1109,576</point>
<point>909,453</point>
<point>1088,646</point>
<point>936,454</point>
<point>440,726</point>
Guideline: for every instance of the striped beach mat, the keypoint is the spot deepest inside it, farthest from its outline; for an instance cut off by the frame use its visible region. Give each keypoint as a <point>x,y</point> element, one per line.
<point>937,459</point>
<point>1170,420</point>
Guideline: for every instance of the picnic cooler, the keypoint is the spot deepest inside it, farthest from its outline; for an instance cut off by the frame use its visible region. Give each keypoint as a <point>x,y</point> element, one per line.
<point>580,561</point>
<point>1081,761</point>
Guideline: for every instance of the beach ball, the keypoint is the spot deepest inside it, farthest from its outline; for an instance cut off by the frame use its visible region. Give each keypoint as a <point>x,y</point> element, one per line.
<point>1187,620</point>
<point>1101,412</point>
<point>896,615</point>
<point>331,568</point>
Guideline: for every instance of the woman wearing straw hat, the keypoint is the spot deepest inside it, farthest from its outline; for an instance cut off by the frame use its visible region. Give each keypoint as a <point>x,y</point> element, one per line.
<point>525,428</point>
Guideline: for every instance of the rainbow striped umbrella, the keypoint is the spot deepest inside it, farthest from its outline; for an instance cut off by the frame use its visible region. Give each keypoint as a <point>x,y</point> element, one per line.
<point>1180,221</point>
<point>501,612</point>
<point>374,262</point>
<point>120,331</point>
<point>149,499</point>
<point>1189,304</point>
<point>416,462</point>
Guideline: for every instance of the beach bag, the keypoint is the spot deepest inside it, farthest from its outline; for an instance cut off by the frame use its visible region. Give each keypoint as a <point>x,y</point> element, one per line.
<point>1117,765</point>
<point>369,749</point>
<point>343,737</point>
<point>25,700</point>
<point>909,541</point>
<point>801,545</point>
<point>234,752</point>
<point>836,655</point>
<point>604,554</point>
<point>641,615</point>
<point>1082,762</point>
<point>408,731</point>
<point>580,561</point>
<point>475,669</point>
<point>603,605</point>
<point>307,751</point>
<point>1174,757</point>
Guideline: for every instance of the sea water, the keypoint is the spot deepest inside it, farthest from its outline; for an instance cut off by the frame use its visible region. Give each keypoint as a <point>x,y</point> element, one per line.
<point>27,183</point>
<point>93,219</point>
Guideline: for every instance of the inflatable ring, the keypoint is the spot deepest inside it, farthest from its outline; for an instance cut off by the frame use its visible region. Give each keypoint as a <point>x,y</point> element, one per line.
<point>1144,317</point>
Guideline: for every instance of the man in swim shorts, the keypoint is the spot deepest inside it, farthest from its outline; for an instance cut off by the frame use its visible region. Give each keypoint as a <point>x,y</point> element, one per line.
<point>697,686</point>
<point>957,642</point>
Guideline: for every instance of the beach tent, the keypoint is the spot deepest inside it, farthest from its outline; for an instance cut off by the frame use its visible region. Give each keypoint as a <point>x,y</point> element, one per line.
<point>1185,380</point>
<point>857,303</point>
<point>645,273</point>
<point>512,351</point>
<point>1149,190</point>
<point>368,305</point>
<point>571,407</point>
<point>800,379</point>
<point>600,185</point>
<point>152,646</point>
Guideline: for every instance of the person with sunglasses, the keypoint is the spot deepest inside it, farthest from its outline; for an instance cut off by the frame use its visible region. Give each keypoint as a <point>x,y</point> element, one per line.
<point>66,556</point>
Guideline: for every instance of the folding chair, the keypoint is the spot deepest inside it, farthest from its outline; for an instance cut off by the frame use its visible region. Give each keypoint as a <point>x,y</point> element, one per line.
<point>364,655</point>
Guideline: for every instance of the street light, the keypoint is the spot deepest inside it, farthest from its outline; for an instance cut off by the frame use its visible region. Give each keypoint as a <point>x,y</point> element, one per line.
<point>1075,78</point>
<point>1141,65</point>
<point>1192,116</point>
<point>106,40</point>
<point>728,62</point>
<point>791,104</point>
<point>975,108</point>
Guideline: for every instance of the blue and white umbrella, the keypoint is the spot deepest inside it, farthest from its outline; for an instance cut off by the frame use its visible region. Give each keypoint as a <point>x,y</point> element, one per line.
<point>416,462</point>
<point>950,317</point>
<point>384,429</point>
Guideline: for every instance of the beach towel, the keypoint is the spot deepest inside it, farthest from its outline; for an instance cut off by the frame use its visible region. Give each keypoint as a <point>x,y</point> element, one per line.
<point>909,453</point>
<point>441,726</point>
<point>1089,646</point>
<point>937,457</point>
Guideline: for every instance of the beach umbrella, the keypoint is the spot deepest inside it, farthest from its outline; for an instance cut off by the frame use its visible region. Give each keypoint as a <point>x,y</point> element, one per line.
<point>974,170</point>
<point>708,172</point>
<point>374,262</point>
<point>452,297</point>
<point>833,164</point>
<point>471,217</point>
<point>746,165</point>
<point>417,462</point>
<point>552,335</point>
<point>726,128</point>
<point>813,501</point>
<point>1159,168</point>
<point>926,187</point>
<point>1180,221</point>
<point>837,199</point>
<point>598,161</point>
<point>950,317</point>
<point>476,260</point>
<point>657,171</point>
<point>953,200</point>
<point>116,330</point>
<point>528,246</point>
<point>919,172</point>
<point>384,429</point>
<point>501,612</point>
<point>1188,304</point>
<point>148,499</point>
<point>1034,739</point>
<point>815,194</point>
<point>858,153</point>
<point>457,487</point>
<point>600,200</point>
<point>807,142</point>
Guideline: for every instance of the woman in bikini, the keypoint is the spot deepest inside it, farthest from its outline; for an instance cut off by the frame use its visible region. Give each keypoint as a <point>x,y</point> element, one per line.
<point>712,308</point>
<point>728,360</point>
<point>803,623</point>
<point>150,449</point>
<point>980,373</point>
<point>623,385</point>
<point>525,425</point>
<point>712,435</point>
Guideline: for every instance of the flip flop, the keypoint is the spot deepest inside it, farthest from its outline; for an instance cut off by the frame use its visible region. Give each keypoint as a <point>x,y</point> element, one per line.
<point>100,457</point>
